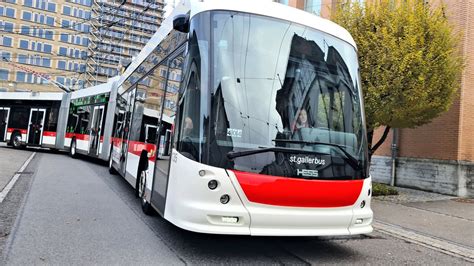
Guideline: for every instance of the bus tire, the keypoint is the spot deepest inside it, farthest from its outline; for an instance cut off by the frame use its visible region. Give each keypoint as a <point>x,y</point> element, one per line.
<point>142,166</point>
<point>146,206</point>
<point>15,140</point>
<point>73,149</point>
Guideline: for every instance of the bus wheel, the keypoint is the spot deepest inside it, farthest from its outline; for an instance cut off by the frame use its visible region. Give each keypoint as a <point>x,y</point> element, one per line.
<point>72,150</point>
<point>146,206</point>
<point>16,140</point>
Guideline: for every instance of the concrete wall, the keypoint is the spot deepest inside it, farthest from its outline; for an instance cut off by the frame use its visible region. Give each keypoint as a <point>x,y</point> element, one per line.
<point>442,176</point>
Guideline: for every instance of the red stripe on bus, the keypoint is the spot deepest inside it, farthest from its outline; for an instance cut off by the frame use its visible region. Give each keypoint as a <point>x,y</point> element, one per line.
<point>49,134</point>
<point>136,147</point>
<point>22,131</point>
<point>116,142</point>
<point>292,192</point>
<point>77,136</point>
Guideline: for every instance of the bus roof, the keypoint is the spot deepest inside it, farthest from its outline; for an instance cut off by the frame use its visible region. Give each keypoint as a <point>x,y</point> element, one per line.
<point>95,90</point>
<point>275,10</point>
<point>264,8</point>
<point>42,96</point>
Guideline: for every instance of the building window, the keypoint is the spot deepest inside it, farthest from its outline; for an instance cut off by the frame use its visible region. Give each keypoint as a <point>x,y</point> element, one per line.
<point>10,12</point>
<point>6,41</point>
<point>20,76</point>
<point>65,23</point>
<point>47,48</point>
<point>52,7</point>
<point>26,15</point>
<point>50,21</point>
<point>85,41</point>
<point>5,56</point>
<point>67,10</point>
<point>7,26</point>
<point>3,74</point>
<point>25,30</point>
<point>62,51</point>
<point>41,4</point>
<point>46,62</point>
<point>49,34</point>
<point>22,59</point>
<point>24,44</point>
<point>64,37</point>
<point>313,6</point>
<point>62,65</point>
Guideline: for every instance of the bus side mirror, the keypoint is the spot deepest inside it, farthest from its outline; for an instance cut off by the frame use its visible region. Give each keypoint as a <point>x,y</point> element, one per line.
<point>181,23</point>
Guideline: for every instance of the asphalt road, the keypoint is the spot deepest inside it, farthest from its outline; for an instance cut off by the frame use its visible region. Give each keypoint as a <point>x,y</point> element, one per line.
<point>72,211</point>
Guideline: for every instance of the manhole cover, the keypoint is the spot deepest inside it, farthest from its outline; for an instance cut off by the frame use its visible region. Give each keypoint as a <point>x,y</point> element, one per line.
<point>463,200</point>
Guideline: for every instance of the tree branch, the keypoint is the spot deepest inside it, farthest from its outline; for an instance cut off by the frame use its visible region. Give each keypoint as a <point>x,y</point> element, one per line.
<point>381,140</point>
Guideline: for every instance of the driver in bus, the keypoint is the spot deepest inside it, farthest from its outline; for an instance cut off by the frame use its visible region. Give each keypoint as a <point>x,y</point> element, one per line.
<point>302,120</point>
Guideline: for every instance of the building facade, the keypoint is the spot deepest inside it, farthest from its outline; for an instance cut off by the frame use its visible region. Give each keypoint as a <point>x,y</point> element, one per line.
<point>439,156</point>
<point>49,44</point>
<point>119,30</point>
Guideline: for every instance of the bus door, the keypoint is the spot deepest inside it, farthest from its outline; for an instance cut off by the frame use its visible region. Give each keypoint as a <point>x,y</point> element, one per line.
<point>36,126</point>
<point>4,115</point>
<point>162,164</point>
<point>96,130</point>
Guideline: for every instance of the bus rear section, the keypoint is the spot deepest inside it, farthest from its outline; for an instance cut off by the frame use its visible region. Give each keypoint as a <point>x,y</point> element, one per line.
<point>90,120</point>
<point>30,119</point>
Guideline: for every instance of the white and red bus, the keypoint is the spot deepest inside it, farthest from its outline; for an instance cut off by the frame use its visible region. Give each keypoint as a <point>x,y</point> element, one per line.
<point>90,121</point>
<point>32,118</point>
<point>246,117</point>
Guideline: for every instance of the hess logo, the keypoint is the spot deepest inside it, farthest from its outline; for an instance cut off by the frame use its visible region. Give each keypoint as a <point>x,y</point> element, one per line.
<point>307,172</point>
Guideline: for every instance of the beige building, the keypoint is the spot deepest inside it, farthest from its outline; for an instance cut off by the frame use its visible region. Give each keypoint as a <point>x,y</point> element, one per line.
<point>48,44</point>
<point>438,156</point>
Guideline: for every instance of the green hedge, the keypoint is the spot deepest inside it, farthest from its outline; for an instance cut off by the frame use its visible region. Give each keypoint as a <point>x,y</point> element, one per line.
<point>383,190</point>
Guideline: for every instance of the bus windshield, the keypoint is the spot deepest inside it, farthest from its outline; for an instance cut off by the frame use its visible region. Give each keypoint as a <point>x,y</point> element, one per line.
<point>285,100</point>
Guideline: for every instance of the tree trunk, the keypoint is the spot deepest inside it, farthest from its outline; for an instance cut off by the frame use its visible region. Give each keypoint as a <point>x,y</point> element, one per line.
<point>373,148</point>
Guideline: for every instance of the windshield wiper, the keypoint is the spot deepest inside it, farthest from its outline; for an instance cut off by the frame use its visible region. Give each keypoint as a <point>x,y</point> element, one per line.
<point>348,157</point>
<point>234,154</point>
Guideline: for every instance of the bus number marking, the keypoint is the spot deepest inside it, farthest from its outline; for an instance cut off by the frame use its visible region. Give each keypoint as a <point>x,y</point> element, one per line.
<point>235,133</point>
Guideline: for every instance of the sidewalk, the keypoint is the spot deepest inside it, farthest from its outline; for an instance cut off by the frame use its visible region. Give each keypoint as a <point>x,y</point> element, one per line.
<point>445,219</point>
<point>12,160</point>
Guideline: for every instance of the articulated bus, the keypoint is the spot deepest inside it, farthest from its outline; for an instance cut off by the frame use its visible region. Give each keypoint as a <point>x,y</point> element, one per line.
<point>246,117</point>
<point>90,121</point>
<point>32,118</point>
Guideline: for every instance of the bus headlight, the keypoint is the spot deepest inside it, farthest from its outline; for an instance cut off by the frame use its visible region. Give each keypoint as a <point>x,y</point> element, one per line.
<point>212,184</point>
<point>225,199</point>
<point>362,204</point>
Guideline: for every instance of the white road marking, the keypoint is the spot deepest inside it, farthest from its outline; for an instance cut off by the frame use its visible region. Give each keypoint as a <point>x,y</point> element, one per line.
<point>438,244</point>
<point>12,182</point>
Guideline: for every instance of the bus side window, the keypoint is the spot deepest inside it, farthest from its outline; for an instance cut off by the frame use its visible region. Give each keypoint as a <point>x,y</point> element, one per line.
<point>189,135</point>
<point>52,120</point>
